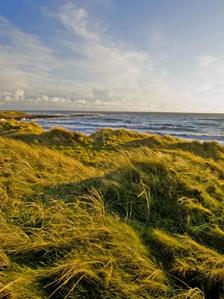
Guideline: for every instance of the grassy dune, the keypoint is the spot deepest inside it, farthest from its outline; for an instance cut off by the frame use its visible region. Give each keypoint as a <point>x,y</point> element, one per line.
<point>12,115</point>
<point>117,214</point>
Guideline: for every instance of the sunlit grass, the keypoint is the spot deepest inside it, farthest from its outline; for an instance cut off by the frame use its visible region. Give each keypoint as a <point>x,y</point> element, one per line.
<point>117,214</point>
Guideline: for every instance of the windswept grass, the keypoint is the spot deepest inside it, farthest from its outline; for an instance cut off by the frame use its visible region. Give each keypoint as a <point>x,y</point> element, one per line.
<point>117,214</point>
<point>12,115</point>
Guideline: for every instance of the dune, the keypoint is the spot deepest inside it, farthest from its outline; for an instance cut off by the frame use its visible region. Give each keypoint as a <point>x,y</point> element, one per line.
<point>116,214</point>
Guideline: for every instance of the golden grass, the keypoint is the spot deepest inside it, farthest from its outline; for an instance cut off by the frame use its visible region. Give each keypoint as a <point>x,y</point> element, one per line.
<point>12,114</point>
<point>117,214</point>
<point>191,293</point>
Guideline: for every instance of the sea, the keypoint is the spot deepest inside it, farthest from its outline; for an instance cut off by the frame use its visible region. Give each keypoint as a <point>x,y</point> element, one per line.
<point>203,127</point>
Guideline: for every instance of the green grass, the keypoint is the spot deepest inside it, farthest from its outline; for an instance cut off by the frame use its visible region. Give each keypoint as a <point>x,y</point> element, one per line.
<point>117,214</point>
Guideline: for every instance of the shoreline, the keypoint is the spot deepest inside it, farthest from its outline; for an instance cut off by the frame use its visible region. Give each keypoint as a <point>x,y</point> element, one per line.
<point>89,123</point>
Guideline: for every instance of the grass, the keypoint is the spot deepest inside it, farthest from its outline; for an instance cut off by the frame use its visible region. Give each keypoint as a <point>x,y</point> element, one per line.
<point>117,214</point>
<point>12,115</point>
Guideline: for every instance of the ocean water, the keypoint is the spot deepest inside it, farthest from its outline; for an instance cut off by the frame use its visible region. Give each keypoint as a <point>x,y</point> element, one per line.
<point>191,126</point>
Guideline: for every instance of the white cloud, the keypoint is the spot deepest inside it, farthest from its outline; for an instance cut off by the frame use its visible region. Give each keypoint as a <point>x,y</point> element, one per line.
<point>209,78</point>
<point>76,19</point>
<point>85,69</point>
<point>19,94</point>
<point>104,63</point>
<point>97,67</point>
<point>24,61</point>
<point>205,61</point>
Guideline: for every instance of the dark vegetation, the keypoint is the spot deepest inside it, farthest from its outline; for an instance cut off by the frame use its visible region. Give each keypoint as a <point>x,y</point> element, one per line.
<point>117,214</point>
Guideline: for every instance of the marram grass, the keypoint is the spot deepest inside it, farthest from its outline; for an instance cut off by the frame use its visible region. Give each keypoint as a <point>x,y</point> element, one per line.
<point>117,214</point>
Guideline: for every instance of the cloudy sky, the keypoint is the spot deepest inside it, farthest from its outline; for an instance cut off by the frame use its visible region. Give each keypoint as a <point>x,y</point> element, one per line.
<point>136,55</point>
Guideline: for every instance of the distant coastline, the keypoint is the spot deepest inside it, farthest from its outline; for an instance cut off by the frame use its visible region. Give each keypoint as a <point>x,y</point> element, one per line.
<point>22,115</point>
<point>201,127</point>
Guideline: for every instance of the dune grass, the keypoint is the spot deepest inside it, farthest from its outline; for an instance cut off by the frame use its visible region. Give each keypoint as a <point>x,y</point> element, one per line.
<point>12,114</point>
<point>117,214</point>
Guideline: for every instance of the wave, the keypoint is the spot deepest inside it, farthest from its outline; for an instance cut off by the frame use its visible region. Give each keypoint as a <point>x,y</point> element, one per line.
<point>190,126</point>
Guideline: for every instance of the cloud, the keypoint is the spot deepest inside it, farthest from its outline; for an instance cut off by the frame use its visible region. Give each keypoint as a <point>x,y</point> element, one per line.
<point>205,61</point>
<point>95,61</point>
<point>80,66</point>
<point>7,97</point>
<point>25,62</point>
<point>76,19</point>
<point>210,78</point>
<point>101,59</point>
<point>19,98</point>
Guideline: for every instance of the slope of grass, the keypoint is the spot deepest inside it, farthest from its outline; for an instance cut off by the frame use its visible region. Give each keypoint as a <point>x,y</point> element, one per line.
<point>12,115</point>
<point>117,214</point>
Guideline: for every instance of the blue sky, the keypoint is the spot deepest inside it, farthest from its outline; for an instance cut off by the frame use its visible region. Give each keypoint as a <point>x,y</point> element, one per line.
<point>143,55</point>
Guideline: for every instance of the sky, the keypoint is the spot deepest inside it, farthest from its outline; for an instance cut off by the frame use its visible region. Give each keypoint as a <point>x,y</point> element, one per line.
<point>112,55</point>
